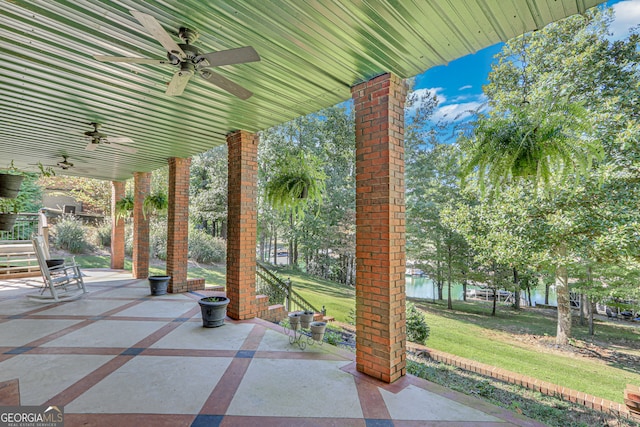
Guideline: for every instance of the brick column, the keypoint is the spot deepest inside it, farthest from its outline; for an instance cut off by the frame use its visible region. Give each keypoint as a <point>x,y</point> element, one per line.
<point>142,186</point>
<point>380,227</point>
<point>242,224</point>
<point>178,224</point>
<point>117,227</point>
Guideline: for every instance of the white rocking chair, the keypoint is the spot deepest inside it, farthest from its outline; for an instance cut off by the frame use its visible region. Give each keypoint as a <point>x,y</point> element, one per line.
<point>57,279</point>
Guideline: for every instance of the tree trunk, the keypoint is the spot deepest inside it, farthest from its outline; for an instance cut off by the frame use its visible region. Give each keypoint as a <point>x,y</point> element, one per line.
<point>546,293</point>
<point>516,291</point>
<point>564,301</point>
<point>275,246</point>
<point>449,301</point>
<point>464,290</point>
<point>495,289</point>
<point>592,310</point>
<point>583,309</point>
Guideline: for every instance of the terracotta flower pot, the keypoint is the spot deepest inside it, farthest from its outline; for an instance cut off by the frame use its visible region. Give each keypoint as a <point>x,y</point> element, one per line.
<point>317,330</point>
<point>294,320</point>
<point>306,317</point>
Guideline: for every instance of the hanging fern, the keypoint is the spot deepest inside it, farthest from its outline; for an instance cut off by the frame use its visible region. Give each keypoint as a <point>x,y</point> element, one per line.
<point>298,180</point>
<point>531,144</point>
<point>124,207</point>
<point>155,203</point>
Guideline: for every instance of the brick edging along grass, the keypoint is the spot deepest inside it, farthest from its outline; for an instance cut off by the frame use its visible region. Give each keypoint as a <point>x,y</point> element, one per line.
<point>550,389</point>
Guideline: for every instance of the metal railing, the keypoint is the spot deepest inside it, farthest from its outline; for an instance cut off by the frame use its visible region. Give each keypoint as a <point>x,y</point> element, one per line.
<point>25,227</point>
<point>280,291</point>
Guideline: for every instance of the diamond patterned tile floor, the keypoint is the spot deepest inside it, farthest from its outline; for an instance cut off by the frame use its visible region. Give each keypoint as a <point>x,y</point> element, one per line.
<point>119,356</point>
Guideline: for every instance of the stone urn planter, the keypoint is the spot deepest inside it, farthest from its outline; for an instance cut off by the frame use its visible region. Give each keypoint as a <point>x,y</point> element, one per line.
<point>158,284</point>
<point>214,310</point>
<point>306,317</point>
<point>317,330</point>
<point>294,320</point>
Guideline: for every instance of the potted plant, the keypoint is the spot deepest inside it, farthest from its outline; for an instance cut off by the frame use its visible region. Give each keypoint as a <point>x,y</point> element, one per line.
<point>9,209</point>
<point>124,207</point>
<point>214,310</point>
<point>155,203</point>
<point>297,180</point>
<point>317,330</point>
<point>10,181</point>
<point>306,317</point>
<point>294,320</point>
<point>158,284</point>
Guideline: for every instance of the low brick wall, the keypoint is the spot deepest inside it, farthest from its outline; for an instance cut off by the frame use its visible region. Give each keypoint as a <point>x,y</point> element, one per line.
<point>270,313</point>
<point>550,389</point>
<point>632,399</point>
<point>195,284</point>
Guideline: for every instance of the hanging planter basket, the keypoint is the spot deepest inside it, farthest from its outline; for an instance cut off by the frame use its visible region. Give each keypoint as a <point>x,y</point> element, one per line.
<point>10,185</point>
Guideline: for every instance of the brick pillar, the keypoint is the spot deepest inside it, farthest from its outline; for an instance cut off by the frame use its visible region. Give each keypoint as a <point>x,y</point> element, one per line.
<point>117,227</point>
<point>241,228</point>
<point>142,186</point>
<point>178,224</point>
<point>380,227</point>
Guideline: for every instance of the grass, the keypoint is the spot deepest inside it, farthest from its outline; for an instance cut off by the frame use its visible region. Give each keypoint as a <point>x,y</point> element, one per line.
<point>519,341</point>
<point>212,274</point>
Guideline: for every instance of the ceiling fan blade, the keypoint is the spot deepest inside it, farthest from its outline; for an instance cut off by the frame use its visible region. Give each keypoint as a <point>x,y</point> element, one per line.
<point>155,29</point>
<point>91,146</point>
<point>232,56</point>
<point>226,84</point>
<point>131,60</point>
<point>178,82</point>
<point>124,148</point>
<point>118,139</point>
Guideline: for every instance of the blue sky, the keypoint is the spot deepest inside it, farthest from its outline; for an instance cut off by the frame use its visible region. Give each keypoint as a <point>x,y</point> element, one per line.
<point>459,84</point>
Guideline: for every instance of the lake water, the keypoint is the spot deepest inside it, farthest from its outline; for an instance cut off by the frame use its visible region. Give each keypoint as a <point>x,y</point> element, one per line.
<point>422,287</point>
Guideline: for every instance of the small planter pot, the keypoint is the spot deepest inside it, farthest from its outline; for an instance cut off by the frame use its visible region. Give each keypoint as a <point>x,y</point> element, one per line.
<point>10,185</point>
<point>158,284</point>
<point>294,320</point>
<point>7,221</point>
<point>214,310</point>
<point>306,317</point>
<point>317,330</point>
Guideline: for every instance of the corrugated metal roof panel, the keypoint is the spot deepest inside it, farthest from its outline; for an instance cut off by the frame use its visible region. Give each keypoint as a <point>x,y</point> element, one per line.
<point>312,52</point>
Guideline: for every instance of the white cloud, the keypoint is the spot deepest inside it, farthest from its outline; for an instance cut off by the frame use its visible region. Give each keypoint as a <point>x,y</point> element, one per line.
<point>456,109</point>
<point>627,16</point>
<point>458,112</point>
<point>465,87</point>
<point>431,91</point>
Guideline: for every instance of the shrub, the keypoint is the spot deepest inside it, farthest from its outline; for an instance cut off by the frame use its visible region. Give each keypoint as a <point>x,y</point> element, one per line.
<point>103,233</point>
<point>158,238</point>
<point>205,248</point>
<point>417,328</point>
<point>69,234</point>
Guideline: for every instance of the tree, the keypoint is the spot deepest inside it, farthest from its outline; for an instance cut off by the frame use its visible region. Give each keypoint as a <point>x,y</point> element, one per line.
<point>570,135</point>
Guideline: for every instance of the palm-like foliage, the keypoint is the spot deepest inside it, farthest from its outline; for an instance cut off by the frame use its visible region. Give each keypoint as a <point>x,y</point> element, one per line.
<point>530,143</point>
<point>298,179</point>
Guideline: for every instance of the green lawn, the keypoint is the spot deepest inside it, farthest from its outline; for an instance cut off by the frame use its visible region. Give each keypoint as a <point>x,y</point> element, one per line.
<point>469,331</point>
<point>213,274</point>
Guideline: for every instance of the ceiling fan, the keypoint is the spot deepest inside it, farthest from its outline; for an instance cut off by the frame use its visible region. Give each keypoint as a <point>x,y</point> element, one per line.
<point>97,138</point>
<point>65,164</point>
<point>189,58</point>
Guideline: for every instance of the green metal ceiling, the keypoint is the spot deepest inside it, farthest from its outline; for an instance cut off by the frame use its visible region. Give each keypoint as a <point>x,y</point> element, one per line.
<point>312,52</point>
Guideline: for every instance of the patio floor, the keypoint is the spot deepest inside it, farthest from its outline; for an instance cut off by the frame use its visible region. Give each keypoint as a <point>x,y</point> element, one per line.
<point>118,356</point>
